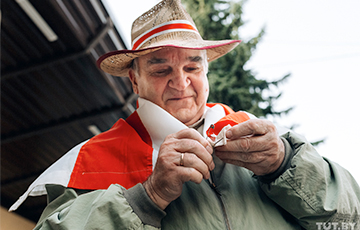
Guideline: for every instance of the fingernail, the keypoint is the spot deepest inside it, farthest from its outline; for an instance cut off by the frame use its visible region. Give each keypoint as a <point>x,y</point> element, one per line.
<point>229,134</point>
<point>212,166</point>
<point>207,176</point>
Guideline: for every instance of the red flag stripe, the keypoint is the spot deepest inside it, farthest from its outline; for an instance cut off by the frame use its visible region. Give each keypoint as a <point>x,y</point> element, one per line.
<point>165,28</point>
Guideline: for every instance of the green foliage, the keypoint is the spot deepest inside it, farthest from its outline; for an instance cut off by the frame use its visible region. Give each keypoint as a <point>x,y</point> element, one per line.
<point>229,82</point>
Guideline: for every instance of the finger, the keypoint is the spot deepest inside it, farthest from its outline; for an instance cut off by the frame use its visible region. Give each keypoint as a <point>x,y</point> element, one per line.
<point>191,174</point>
<point>187,145</point>
<point>169,157</point>
<point>190,160</point>
<point>248,144</point>
<point>253,158</point>
<point>258,169</point>
<point>190,145</point>
<point>193,135</point>
<point>249,128</point>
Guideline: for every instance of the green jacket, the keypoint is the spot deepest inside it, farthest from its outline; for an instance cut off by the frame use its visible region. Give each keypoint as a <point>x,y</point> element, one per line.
<point>311,193</point>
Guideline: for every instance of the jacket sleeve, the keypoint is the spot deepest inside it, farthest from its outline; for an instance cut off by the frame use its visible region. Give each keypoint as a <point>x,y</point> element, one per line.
<point>315,190</point>
<point>99,209</point>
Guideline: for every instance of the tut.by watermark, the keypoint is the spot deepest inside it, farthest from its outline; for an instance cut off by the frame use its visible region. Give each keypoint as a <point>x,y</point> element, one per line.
<point>336,226</point>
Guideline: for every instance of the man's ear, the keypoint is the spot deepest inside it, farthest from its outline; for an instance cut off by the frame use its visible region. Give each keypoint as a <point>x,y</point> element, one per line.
<point>133,81</point>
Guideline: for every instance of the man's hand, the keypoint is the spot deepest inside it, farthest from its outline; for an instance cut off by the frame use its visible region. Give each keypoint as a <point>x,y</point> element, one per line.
<point>165,183</point>
<point>254,145</point>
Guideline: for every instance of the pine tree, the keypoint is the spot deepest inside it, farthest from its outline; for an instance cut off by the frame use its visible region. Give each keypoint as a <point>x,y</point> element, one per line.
<point>229,82</point>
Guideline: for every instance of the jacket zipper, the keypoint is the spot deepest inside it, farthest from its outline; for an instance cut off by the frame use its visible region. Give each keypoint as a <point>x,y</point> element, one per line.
<point>213,186</point>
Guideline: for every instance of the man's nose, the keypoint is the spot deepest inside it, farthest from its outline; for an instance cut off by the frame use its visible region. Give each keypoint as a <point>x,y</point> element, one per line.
<point>179,80</point>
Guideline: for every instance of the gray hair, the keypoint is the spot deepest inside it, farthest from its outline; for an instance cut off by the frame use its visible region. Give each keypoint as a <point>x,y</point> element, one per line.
<point>135,66</point>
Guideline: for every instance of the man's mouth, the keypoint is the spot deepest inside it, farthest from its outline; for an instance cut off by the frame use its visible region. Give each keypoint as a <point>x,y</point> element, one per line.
<point>179,98</point>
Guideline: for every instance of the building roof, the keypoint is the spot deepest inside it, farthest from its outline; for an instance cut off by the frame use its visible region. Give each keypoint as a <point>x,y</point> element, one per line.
<point>52,94</point>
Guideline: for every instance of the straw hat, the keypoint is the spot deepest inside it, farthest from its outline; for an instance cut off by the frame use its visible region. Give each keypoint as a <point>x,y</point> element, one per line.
<point>167,24</point>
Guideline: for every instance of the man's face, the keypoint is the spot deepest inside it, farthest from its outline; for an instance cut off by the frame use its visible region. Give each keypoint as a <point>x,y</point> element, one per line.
<point>174,79</point>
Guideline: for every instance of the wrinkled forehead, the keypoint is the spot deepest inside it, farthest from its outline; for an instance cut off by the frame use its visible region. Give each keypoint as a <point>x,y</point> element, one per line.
<point>172,54</point>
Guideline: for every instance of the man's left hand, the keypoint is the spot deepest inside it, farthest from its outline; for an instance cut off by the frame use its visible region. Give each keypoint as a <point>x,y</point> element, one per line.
<point>255,145</point>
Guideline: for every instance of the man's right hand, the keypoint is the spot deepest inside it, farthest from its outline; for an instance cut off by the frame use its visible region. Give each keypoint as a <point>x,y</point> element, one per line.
<point>165,183</point>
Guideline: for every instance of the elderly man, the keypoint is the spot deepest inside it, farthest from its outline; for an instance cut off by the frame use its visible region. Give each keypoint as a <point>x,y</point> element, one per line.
<point>180,163</point>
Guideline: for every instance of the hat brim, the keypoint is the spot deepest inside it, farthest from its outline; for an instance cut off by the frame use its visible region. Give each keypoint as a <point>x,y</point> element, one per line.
<point>117,63</point>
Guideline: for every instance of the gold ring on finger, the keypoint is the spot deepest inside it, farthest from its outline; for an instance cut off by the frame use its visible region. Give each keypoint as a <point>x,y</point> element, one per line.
<point>182,159</point>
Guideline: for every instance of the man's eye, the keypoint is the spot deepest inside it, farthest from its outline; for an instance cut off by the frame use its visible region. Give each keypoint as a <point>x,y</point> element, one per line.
<point>161,72</point>
<point>192,69</point>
